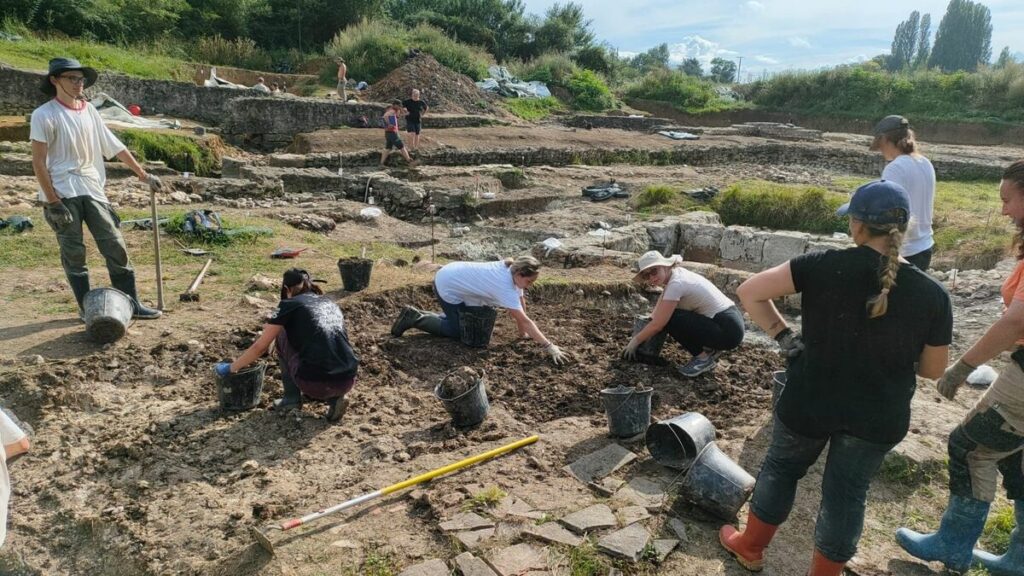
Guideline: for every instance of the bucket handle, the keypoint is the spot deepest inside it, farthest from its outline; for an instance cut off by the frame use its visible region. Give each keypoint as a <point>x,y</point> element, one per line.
<point>632,391</point>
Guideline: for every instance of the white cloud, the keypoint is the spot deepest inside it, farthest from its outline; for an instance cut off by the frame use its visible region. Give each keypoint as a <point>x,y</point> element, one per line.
<point>766,60</point>
<point>700,48</point>
<point>799,42</point>
<point>755,6</point>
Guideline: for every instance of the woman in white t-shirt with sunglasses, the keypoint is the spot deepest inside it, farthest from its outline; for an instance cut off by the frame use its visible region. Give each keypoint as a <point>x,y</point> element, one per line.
<point>702,319</point>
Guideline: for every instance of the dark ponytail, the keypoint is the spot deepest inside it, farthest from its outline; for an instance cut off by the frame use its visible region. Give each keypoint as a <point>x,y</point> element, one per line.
<point>297,277</point>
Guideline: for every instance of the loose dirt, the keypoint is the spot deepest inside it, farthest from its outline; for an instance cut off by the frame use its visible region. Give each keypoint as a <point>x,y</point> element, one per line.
<point>443,89</point>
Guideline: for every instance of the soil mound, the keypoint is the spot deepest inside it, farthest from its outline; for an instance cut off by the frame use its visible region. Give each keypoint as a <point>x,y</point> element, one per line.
<point>443,89</point>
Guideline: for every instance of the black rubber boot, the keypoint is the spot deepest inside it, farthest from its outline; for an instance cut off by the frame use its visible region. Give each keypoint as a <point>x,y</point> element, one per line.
<point>126,284</point>
<point>406,319</point>
<point>292,395</point>
<point>430,323</point>
<point>79,287</point>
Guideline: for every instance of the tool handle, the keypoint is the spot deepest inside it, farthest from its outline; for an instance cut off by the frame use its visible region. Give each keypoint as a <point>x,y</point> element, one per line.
<point>156,245</point>
<point>199,277</point>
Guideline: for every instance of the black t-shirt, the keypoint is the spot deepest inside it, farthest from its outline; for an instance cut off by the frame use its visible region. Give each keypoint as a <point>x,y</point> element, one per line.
<point>856,374</point>
<point>316,330</point>
<point>415,108</point>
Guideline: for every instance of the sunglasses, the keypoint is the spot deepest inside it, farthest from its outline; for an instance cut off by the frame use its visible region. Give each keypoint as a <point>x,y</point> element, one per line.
<point>74,79</point>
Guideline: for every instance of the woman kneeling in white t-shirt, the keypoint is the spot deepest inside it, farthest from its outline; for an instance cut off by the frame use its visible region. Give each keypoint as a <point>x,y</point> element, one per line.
<point>461,284</point>
<point>703,320</point>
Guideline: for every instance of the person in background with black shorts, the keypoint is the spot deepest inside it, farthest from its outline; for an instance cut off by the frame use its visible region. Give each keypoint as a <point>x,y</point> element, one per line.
<point>391,138</point>
<point>871,321</point>
<point>414,118</point>
<point>990,439</point>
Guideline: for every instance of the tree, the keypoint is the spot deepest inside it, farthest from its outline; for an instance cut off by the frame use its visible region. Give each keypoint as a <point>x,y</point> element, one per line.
<point>1004,58</point>
<point>924,42</point>
<point>565,29</point>
<point>499,26</point>
<point>723,70</point>
<point>964,38</point>
<point>692,67</point>
<point>653,59</point>
<point>904,43</point>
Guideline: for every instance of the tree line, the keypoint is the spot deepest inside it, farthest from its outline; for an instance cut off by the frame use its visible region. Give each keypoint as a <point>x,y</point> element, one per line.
<point>963,41</point>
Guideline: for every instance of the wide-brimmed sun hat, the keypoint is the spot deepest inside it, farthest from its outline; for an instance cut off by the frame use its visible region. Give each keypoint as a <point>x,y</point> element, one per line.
<point>59,66</point>
<point>653,258</point>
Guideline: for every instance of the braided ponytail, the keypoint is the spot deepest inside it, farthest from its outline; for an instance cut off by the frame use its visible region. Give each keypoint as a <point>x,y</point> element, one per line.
<point>879,304</point>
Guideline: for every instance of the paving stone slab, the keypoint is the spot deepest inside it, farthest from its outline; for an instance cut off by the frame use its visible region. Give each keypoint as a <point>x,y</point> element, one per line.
<point>607,486</point>
<point>470,565</point>
<point>472,539</point>
<point>632,514</point>
<point>435,567</point>
<point>664,547</point>
<point>465,521</point>
<point>518,559</point>
<point>591,518</point>
<point>554,533</point>
<point>678,527</point>
<point>597,465</point>
<point>627,543</point>
<point>642,491</point>
<point>513,506</point>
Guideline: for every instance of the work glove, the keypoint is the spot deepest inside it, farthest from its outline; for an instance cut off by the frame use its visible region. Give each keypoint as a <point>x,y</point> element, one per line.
<point>953,378</point>
<point>59,214</point>
<point>790,343</point>
<point>223,369</point>
<point>629,352</point>
<point>557,356</point>
<point>154,182</point>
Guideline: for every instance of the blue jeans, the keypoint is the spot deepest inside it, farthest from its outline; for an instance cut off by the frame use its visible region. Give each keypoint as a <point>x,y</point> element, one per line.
<point>851,464</point>
<point>451,326</point>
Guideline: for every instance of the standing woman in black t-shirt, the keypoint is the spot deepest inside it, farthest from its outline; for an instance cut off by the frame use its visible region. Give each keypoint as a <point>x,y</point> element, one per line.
<point>313,351</point>
<point>868,318</point>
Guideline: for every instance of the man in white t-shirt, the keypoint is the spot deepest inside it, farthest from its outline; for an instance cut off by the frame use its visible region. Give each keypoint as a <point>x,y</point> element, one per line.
<point>15,443</point>
<point>907,167</point>
<point>69,144</point>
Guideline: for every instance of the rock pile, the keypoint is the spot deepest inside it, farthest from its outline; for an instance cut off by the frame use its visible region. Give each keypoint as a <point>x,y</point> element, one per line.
<point>443,89</point>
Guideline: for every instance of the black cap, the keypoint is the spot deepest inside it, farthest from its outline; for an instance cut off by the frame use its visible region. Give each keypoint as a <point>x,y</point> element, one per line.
<point>59,66</point>
<point>890,123</point>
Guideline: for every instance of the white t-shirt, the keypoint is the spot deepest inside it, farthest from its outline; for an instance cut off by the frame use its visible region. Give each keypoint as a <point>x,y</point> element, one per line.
<point>77,142</point>
<point>9,434</point>
<point>916,174</point>
<point>478,284</point>
<point>695,293</point>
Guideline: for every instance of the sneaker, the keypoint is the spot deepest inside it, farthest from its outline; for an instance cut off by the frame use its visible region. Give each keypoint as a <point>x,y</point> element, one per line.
<point>698,366</point>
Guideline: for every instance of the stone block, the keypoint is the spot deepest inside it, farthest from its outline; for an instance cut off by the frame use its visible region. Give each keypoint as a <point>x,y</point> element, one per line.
<point>229,167</point>
<point>590,518</point>
<point>554,533</point>
<point>641,491</point>
<point>434,567</point>
<point>780,247</point>
<point>678,527</point>
<point>632,514</point>
<point>664,236</point>
<point>662,548</point>
<point>518,559</point>
<point>465,521</point>
<point>287,160</point>
<point>627,543</point>
<point>700,217</point>
<point>470,565</point>
<point>472,539</point>
<point>701,242</point>
<point>601,463</point>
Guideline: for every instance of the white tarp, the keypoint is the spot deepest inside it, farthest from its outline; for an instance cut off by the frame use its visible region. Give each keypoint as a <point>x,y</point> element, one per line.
<point>503,83</point>
<point>113,112</point>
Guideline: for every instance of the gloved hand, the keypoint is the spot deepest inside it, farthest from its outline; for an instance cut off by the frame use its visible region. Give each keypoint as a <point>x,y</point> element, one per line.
<point>223,369</point>
<point>557,356</point>
<point>629,352</point>
<point>953,378</point>
<point>790,343</point>
<point>154,182</point>
<point>59,214</point>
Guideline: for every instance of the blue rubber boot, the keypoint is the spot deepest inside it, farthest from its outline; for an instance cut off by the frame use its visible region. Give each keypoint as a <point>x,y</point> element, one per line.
<point>1011,563</point>
<point>958,532</point>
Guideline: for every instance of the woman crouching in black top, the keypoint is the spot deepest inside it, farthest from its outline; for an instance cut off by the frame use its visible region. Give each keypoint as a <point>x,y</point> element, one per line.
<point>870,319</point>
<point>313,351</point>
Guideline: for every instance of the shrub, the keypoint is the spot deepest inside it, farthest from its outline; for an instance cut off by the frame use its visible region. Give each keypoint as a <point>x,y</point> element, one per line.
<point>654,195</point>
<point>781,207</point>
<point>179,152</point>
<point>240,53</point>
<point>682,91</point>
<point>552,68</point>
<point>534,109</point>
<point>589,92</point>
<point>462,58</point>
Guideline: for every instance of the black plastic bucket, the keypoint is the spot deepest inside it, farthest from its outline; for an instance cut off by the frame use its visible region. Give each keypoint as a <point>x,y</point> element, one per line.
<point>778,385</point>
<point>107,313</point>
<point>476,324</point>
<point>241,390</point>
<point>677,442</point>
<point>717,483</point>
<point>628,410</point>
<point>467,409</point>
<point>650,349</point>
<point>355,273</point>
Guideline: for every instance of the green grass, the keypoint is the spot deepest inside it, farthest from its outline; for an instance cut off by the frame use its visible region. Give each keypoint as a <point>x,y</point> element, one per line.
<point>488,498</point>
<point>585,560</point>
<point>534,109</point>
<point>34,53</point>
<point>781,207</point>
<point>996,537</point>
<point>376,563</point>
<point>181,153</point>
<point>655,195</point>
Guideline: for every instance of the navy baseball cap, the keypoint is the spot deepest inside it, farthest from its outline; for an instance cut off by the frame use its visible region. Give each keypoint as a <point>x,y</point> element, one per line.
<point>878,202</point>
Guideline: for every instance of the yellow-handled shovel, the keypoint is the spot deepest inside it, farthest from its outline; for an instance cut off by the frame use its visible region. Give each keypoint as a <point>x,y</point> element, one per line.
<point>267,545</point>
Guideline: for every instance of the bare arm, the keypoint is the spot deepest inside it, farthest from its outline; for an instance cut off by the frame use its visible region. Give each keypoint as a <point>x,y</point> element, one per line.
<point>757,292</point>
<point>39,150</point>
<point>126,157</point>
<point>933,361</point>
<point>16,448</point>
<point>999,337</point>
<point>529,327</point>
<point>258,348</point>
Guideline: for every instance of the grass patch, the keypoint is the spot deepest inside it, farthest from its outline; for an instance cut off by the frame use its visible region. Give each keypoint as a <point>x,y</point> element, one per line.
<point>229,233</point>
<point>33,52</point>
<point>655,195</point>
<point>513,179</point>
<point>488,498</point>
<point>898,469</point>
<point>585,560</point>
<point>534,109</point>
<point>181,153</point>
<point>996,536</point>
<point>376,563</point>
<point>781,207</point>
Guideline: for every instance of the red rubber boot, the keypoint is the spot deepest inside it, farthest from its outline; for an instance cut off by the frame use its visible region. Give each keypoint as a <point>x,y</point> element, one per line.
<point>821,566</point>
<point>748,546</point>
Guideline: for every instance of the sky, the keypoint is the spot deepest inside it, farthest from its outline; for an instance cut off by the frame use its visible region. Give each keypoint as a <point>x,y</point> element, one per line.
<point>774,35</point>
